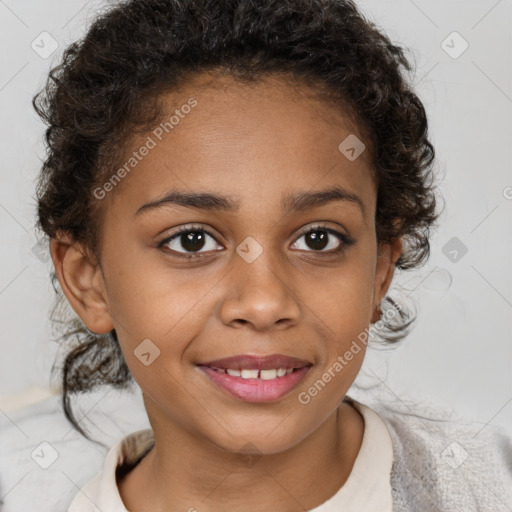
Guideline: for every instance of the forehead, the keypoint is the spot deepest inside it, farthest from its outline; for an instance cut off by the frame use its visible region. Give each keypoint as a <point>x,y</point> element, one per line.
<point>245,140</point>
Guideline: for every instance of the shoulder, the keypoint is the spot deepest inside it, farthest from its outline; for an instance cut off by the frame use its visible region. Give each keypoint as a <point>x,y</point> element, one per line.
<point>39,453</point>
<point>42,455</point>
<point>103,490</point>
<point>442,462</point>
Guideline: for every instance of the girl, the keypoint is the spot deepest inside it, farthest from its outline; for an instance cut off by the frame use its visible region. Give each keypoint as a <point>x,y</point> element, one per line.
<point>228,191</point>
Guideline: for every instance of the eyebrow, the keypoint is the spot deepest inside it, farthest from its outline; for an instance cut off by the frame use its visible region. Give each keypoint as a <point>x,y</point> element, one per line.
<point>291,202</point>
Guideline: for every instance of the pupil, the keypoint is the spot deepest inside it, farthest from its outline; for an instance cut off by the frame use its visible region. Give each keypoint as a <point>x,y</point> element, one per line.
<point>317,239</point>
<point>193,240</point>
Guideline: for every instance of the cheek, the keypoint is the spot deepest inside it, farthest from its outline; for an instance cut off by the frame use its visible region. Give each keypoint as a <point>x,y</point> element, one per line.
<point>340,305</point>
<point>157,316</point>
<point>342,297</point>
<point>148,299</point>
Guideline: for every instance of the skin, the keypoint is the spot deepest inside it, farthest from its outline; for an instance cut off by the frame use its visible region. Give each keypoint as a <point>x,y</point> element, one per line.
<point>253,143</point>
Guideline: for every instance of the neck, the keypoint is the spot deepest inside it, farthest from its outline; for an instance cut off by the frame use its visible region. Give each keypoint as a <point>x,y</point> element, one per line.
<point>192,473</point>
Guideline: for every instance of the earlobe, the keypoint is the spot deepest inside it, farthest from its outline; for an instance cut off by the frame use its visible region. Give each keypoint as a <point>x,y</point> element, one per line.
<point>82,283</point>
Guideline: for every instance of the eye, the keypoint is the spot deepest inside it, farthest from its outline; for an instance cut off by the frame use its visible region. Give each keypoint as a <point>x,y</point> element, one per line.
<point>190,238</point>
<point>321,237</point>
<point>193,239</point>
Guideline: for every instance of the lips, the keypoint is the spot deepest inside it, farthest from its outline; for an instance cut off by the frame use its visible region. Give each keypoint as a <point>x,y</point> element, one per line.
<point>256,378</point>
<point>253,362</point>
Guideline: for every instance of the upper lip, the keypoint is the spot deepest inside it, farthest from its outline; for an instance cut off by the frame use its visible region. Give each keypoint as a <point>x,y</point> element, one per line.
<point>247,362</point>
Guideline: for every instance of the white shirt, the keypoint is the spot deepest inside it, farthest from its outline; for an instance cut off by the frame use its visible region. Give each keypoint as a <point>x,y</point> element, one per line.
<point>367,488</point>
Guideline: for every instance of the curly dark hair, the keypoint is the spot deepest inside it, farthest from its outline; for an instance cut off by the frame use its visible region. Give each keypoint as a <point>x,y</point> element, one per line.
<point>109,84</point>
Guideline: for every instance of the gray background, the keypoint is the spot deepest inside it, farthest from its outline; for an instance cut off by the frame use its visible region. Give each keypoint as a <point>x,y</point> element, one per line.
<point>460,352</point>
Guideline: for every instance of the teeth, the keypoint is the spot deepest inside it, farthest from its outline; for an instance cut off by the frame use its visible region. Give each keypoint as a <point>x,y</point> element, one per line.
<point>249,374</point>
<point>268,374</point>
<point>256,374</point>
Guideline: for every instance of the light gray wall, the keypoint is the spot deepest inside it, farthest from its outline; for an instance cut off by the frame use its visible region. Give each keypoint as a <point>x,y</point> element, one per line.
<point>460,352</point>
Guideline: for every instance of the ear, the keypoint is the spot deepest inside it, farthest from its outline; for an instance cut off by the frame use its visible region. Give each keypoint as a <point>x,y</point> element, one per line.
<point>385,269</point>
<point>81,280</point>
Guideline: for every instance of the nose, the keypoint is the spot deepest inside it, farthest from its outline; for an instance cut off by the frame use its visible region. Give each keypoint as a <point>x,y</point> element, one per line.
<point>259,294</point>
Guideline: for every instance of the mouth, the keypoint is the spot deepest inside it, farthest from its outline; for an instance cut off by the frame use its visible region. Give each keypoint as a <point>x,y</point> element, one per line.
<point>256,378</point>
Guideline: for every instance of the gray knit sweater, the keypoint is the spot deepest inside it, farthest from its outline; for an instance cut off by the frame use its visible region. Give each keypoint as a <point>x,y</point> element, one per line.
<point>442,463</point>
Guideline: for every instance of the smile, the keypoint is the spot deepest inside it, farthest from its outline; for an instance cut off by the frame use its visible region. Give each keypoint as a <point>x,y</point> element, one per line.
<point>273,373</point>
<point>256,378</point>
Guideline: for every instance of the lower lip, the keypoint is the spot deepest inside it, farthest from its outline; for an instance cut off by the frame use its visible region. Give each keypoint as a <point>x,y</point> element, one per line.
<point>256,390</point>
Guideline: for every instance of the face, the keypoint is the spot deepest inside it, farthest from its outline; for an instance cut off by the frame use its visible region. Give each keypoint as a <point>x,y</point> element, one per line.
<point>275,273</point>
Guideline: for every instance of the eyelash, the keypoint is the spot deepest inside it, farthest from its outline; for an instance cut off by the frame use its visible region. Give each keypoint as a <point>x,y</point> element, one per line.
<point>346,241</point>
